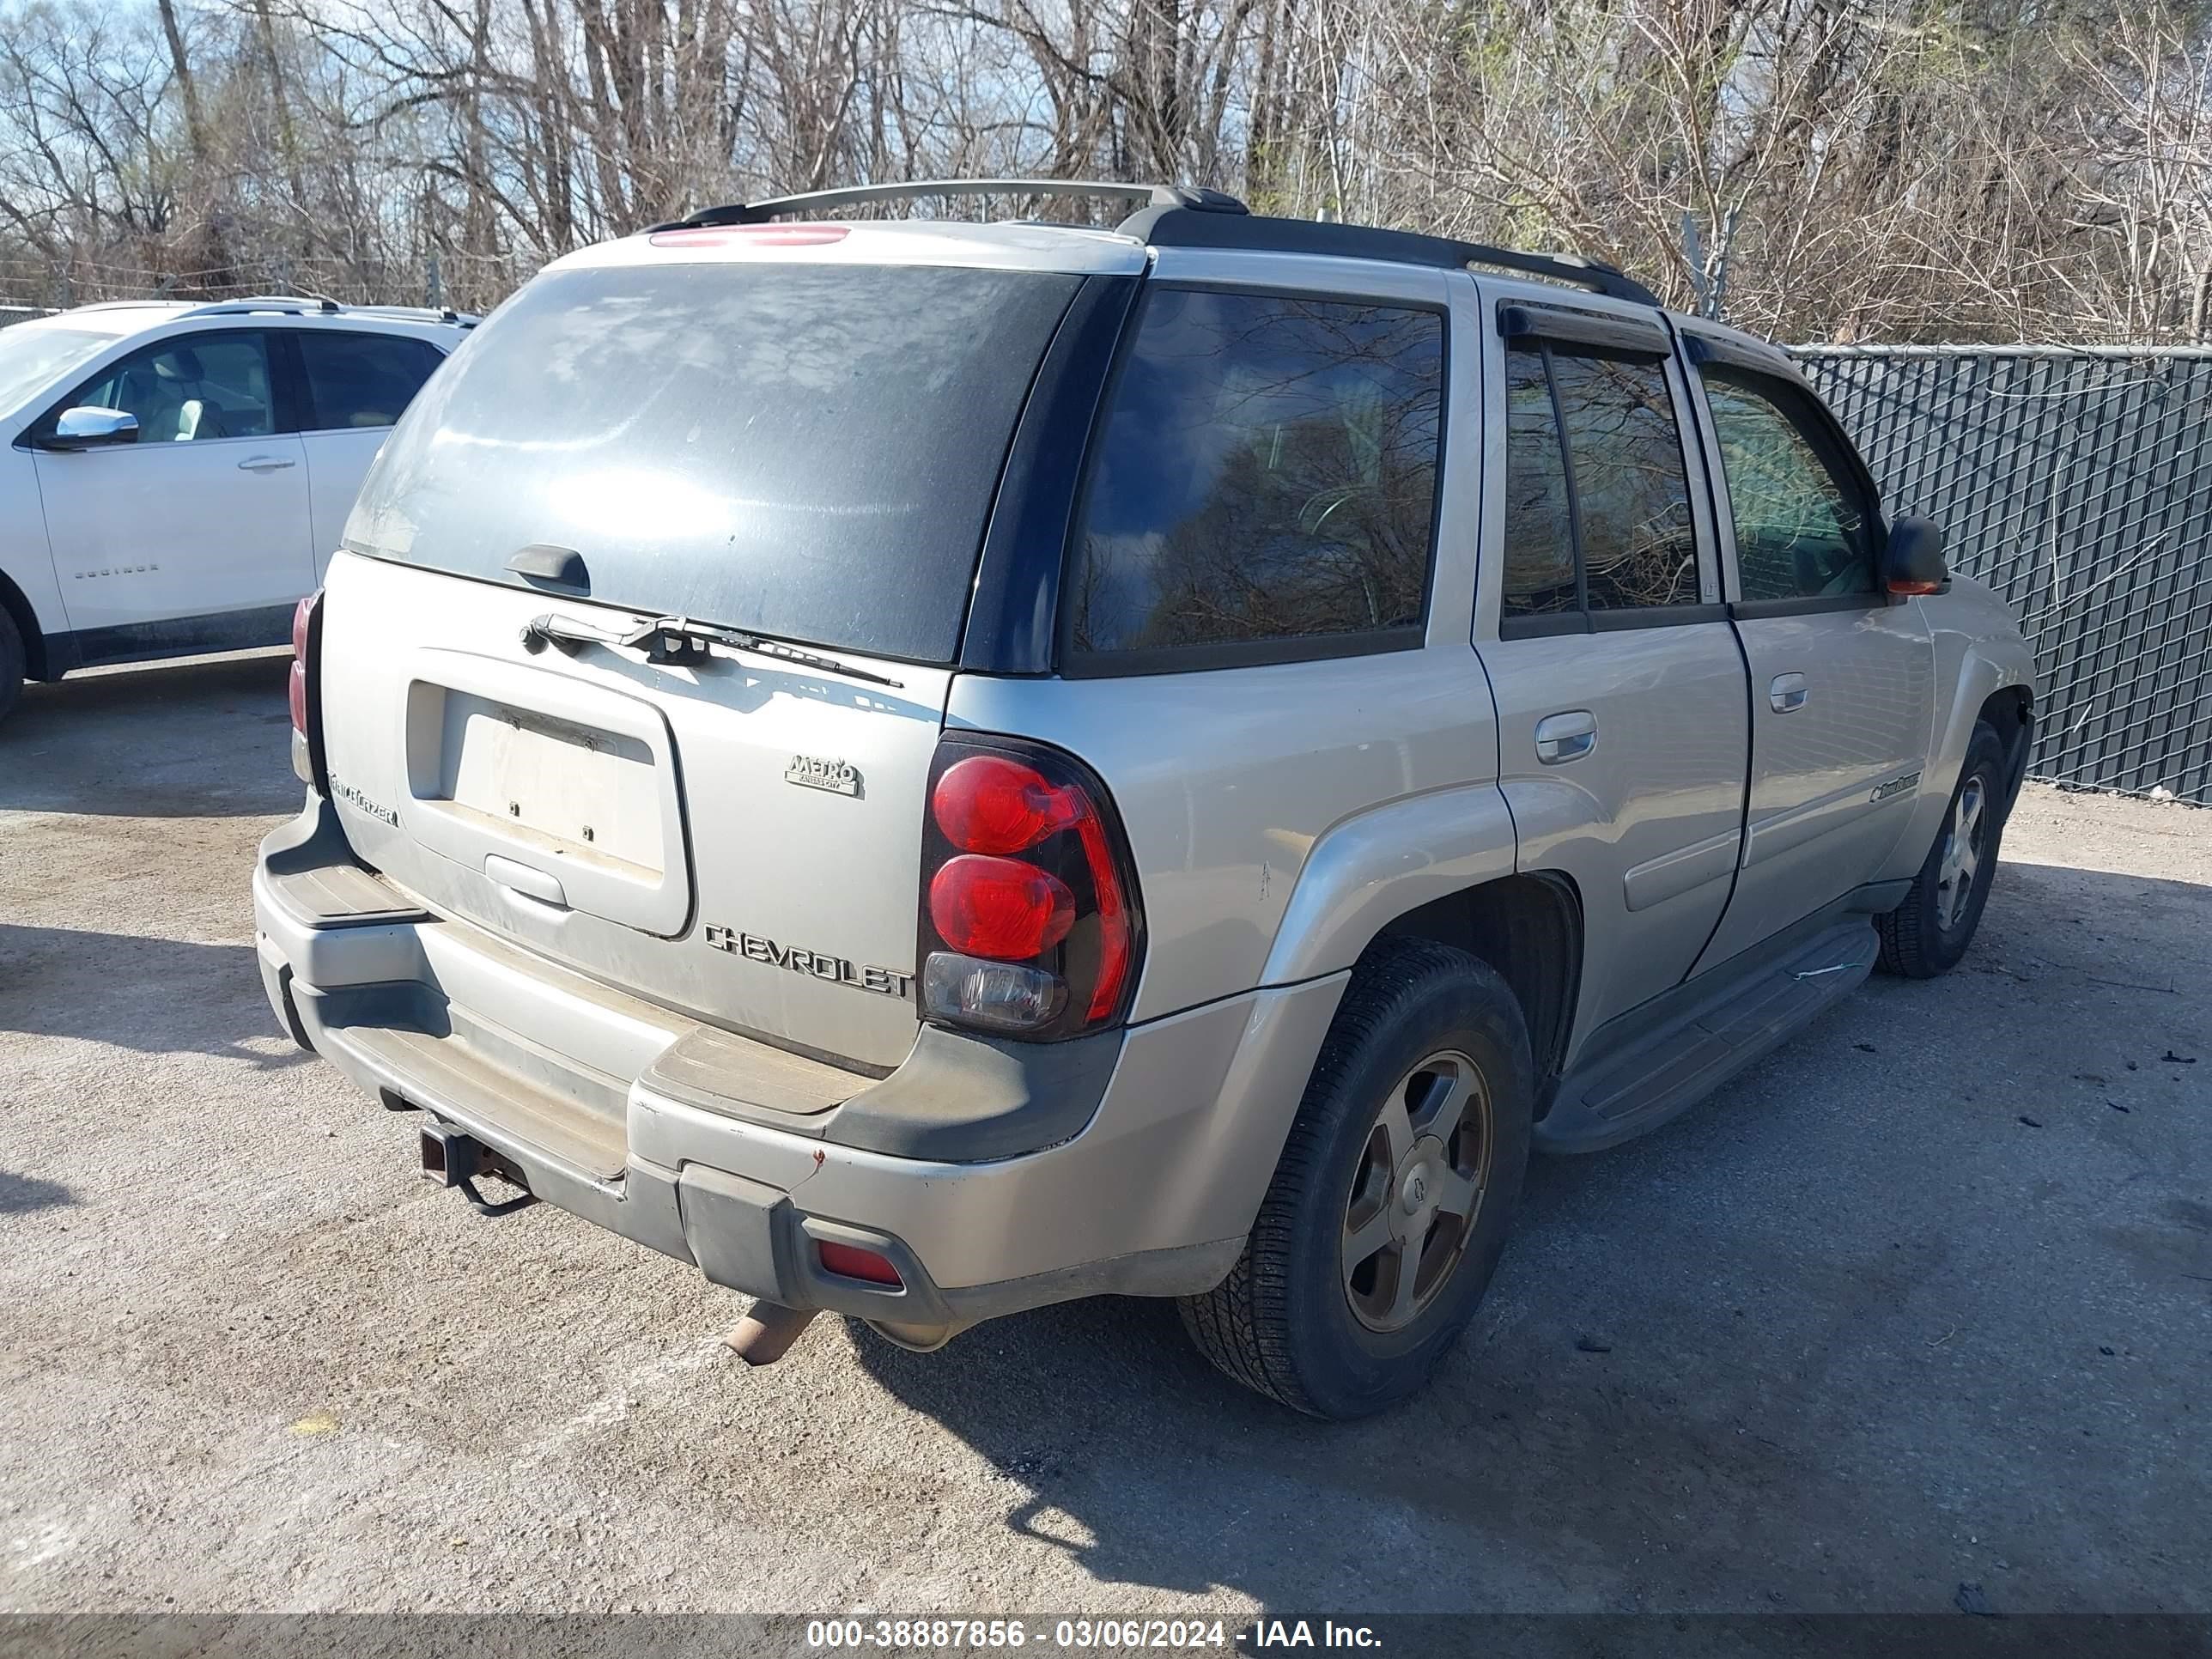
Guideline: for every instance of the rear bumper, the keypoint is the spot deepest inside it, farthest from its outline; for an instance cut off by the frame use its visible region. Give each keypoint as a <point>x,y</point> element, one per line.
<point>1162,1144</point>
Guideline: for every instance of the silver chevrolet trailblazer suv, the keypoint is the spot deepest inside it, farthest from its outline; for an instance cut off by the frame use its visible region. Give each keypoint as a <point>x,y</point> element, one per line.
<point>933,768</point>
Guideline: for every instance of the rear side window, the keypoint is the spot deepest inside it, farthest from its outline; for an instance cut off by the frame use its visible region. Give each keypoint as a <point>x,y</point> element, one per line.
<point>361,379</point>
<point>808,452</point>
<point>1264,486</point>
<point>1597,494</point>
<point>1801,528</point>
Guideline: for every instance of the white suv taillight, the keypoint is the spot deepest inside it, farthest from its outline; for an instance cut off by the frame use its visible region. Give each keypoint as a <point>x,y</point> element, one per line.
<point>1030,920</point>
<point>306,727</point>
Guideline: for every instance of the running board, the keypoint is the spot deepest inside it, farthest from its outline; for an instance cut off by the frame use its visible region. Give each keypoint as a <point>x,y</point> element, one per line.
<point>1742,1017</point>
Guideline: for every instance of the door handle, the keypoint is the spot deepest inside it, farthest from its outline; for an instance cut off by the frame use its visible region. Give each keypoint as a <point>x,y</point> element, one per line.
<point>265,464</point>
<point>1566,736</point>
<point>540,884</point>
<point>1787,693</point>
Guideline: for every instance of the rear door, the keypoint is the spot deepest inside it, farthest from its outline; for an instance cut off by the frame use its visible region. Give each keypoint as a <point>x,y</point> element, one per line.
<point>808,451</point>
<point>205,518</point>
<point>1842,677</point>
<point>1619,687</point>
<point>353,386</point>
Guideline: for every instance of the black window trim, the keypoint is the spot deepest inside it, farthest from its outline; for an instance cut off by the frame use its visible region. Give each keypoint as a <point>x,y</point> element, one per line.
<point>1523,319</point>
<point>1010,626</point>
<point>1605,619</point>
<point>1830,443</point>
<point>283,410</point>
<point>1075,665</point>
<point>303,392</point>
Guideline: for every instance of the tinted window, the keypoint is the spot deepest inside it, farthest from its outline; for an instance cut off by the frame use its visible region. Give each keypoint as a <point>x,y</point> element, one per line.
<point>1607,490</point>
<point>808,452</point>
<point>361,379</point>
<point>1801,530</point>
<point>193,387</point>
<point>1266,473</point>
<point>1631,491</point>
<point>1539,533</point>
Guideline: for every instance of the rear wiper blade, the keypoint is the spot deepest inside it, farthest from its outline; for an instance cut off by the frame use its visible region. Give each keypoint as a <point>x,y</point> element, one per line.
<point>679,639</point>
<point>668,640</point>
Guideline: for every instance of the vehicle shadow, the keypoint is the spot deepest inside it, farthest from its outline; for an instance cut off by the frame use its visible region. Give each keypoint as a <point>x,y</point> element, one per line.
<point>207,739</point>
<point>150,995</point>
<point>20,1195</point>
<point>1795,1351</point>
<point>1510,1479</point>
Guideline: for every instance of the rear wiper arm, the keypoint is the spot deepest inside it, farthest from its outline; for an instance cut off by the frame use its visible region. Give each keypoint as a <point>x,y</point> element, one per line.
<point>565,632</point>
<point>679,639</point>
<point>669,639</point>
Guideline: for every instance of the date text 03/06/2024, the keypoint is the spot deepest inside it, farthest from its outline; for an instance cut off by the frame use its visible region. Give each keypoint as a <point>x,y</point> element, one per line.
<point>1084,1634</point>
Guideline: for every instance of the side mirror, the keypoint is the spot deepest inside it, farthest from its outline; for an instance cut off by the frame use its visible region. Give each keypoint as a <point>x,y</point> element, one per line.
<point>1912,558</point>
<point>93,429</point>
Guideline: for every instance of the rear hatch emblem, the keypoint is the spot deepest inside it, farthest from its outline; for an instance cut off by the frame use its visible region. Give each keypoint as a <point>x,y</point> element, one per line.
<point>812,772</point>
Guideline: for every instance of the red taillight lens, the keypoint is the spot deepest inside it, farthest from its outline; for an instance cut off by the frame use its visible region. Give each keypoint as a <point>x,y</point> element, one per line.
<point>999,908</point>
<point>989,804</point>
<point>1029,919</point>
<point>853,1262</point>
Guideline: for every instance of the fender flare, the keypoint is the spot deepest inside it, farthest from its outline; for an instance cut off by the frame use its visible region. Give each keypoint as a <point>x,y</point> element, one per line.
<point>1983,670</point>
<point>1367,870</point>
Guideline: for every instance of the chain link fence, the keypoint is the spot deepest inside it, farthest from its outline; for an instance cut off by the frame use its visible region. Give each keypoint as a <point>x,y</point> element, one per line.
<point>2076,483</point>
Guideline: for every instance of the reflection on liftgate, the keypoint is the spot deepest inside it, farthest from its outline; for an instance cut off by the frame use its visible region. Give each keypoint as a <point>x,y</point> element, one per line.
<point>1006,810</point>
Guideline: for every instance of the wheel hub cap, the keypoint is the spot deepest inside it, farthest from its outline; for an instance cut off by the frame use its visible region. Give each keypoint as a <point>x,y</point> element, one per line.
<point>1420,1183</point>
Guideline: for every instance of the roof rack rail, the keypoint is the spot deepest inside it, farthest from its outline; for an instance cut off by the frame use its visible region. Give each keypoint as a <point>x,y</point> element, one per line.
<point>1192,198</point>
<point>301,305</point>
<point>296,303</point>
<point>1168,226</point>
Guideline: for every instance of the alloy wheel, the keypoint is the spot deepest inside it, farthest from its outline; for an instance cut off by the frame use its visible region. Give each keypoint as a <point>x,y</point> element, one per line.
<point>1417,1190</point>
<point>1961,862</point>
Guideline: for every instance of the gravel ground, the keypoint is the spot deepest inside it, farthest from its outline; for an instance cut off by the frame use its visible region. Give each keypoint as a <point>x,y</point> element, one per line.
<point>1924,1300</point>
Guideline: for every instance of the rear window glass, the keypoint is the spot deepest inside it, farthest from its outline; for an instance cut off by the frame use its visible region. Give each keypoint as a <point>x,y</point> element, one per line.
<point>808,452</point>
<point>1266,481</point>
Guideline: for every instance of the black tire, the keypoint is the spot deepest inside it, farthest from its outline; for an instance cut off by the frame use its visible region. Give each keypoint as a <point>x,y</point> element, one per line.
<point>1928,934</point>
<point>11,664</point>
<point>1283,1321</point>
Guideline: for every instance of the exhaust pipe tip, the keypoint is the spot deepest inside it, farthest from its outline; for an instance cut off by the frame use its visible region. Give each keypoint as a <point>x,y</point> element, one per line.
<point>765,1335</point>
<point>915,1339</point>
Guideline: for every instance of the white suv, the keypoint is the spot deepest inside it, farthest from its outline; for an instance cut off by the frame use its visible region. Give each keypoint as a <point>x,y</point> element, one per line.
<point>175,474</point>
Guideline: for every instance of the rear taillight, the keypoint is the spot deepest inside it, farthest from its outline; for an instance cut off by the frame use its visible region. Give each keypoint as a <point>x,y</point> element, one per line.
<point>307,726</point>
<point>1030,923</point>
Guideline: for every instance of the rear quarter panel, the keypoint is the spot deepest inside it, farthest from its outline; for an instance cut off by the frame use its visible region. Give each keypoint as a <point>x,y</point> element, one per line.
<point>1311,801</point>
